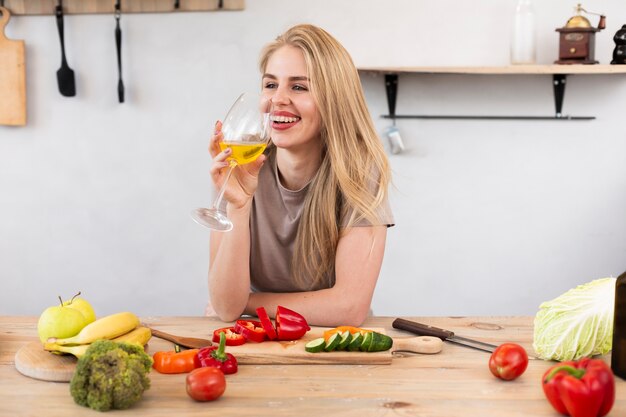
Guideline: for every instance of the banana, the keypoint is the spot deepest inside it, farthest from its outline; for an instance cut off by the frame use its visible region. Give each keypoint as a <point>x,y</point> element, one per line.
<point>108,327</point>
<point>77,350</point>
<point>138,336</point>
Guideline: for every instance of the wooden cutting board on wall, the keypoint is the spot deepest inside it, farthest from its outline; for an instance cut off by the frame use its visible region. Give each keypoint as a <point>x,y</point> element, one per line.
<point>12,77</point>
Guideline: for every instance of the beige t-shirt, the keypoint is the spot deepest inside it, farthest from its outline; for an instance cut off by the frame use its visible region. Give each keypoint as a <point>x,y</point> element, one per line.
<point>274,221</point>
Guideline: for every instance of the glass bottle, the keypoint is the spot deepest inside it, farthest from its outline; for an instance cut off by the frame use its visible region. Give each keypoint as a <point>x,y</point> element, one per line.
<point>618,356</point>
<point>523,49</point>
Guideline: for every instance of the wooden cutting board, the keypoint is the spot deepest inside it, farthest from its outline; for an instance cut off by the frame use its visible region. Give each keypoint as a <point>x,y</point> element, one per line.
<point>33,361</point>
<point>12,77</point>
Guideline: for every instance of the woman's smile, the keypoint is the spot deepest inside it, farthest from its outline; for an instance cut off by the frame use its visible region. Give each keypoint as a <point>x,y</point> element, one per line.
<point>283,120</point>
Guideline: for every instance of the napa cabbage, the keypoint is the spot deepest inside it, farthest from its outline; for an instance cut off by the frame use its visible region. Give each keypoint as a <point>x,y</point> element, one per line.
<point>576,324</point>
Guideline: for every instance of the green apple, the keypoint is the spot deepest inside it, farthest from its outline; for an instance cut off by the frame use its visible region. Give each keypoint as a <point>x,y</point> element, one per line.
<point>83,306</point>
<point>60,321</point>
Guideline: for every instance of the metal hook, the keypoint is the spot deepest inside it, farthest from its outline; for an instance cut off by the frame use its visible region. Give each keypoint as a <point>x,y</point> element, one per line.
<point>118,9</point>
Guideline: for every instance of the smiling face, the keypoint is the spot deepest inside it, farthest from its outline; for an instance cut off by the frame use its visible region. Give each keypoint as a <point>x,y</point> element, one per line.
<point>296,122</point>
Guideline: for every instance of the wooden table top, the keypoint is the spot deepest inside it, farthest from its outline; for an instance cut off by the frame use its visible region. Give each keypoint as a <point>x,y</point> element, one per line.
<point>455,382</point>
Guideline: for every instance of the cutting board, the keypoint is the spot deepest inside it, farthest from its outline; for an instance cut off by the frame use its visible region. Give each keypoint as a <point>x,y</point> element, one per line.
<point>12,77</point>
<point>33,361</point>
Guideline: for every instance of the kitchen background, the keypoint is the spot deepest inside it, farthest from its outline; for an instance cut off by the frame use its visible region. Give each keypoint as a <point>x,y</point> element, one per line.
<point>493,217</point>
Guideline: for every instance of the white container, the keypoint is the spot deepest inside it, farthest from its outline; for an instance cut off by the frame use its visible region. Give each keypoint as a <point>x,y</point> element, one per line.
<point>523,40</point>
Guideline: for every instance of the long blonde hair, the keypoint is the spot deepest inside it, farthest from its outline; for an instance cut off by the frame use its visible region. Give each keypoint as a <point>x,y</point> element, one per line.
<point>354,174</point>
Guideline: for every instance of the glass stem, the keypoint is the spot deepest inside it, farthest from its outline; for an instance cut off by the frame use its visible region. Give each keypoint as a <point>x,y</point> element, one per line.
<point>218,200</point>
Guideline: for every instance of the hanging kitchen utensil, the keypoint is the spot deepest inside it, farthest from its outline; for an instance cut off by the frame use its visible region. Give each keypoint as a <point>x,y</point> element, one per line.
<point>12,77</point>
<point>65,75</point>
<point>446,335</point>
<point>118,44</point>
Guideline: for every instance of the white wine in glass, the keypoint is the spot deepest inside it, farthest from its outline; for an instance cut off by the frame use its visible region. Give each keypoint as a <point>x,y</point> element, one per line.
<point>246,131</point>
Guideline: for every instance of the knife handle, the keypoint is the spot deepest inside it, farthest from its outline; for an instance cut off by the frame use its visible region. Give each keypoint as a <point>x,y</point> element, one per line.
<point>421,329</point>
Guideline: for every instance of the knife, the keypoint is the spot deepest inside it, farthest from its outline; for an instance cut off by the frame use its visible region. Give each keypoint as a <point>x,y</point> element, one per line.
<point>445,335</point>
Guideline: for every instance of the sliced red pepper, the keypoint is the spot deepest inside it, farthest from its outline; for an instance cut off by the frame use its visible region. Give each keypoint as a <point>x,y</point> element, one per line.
<point>270,330</point>
<point>175,362</point>
<point>585,388</point>
<point>289,324</point>
<point>251,330</point>
<point>216,357</point>
<point>232,337</point>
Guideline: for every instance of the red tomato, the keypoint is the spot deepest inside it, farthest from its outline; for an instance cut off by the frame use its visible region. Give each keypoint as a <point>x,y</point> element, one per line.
<point>508,361</point>
<point>205,384</point>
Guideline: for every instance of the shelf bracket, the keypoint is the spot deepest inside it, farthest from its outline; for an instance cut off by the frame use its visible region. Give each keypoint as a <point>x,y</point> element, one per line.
<point>391,85</point>
<point>559,81</point>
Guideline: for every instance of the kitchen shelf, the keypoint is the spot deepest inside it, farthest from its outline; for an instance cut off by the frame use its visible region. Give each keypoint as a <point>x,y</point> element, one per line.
<point>559,78</point>
<point>47,7</point>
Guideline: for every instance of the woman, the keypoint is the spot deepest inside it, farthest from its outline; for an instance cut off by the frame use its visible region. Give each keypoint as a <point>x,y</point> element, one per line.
<point>310,217</point>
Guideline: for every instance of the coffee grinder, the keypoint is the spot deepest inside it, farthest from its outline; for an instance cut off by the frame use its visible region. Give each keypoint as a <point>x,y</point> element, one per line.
<point>577,38</point>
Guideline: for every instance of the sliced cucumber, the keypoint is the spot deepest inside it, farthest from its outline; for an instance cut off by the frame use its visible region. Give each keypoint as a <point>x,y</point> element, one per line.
<point>315,345</point>
<point>346,337</point>
<point>380,342</point>
<point>355,343</point>
<point>333,342</point>
<point>367,341</point>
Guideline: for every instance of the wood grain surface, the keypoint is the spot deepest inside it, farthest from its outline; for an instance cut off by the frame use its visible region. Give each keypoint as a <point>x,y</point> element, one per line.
<point>455,382</point>
<point>12,77</point>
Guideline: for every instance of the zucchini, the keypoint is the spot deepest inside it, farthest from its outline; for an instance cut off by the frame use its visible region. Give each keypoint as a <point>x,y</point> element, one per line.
<point>346,337</point>
<point>315,345</point>
<point>333,342</point>
<point>355,343</point>
<point>380,342</point>
<point>367,341</point>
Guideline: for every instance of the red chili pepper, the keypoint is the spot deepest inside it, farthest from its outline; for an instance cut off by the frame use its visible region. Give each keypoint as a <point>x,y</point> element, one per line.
<point>217,357</point>
<point>232,337</point>
<point>585,388</point>
<point>266,323</point>
<point>251,330</point>
<point>175,362</point>
<point>289,324</point>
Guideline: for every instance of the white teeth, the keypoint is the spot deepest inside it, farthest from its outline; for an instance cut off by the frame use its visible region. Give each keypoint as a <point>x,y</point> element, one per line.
<point>284,119</point>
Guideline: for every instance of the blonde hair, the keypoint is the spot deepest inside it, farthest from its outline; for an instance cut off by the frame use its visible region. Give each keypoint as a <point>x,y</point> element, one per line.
<point>354,170</point>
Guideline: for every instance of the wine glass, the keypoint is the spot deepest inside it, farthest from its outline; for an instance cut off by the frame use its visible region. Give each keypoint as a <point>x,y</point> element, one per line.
<point>246,131</point>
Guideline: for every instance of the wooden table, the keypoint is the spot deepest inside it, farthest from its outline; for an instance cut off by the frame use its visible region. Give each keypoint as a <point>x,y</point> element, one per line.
<point>455,382</point>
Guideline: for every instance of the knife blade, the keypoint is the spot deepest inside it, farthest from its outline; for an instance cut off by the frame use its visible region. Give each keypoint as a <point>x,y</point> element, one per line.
<point>445,335</point>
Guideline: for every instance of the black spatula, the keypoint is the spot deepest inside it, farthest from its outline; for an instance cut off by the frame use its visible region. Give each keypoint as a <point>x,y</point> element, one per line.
<point>65,75</point>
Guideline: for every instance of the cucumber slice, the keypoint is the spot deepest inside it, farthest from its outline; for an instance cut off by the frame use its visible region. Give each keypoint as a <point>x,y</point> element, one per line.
<point>380,342</point>
<point>346,337</point>
<point>315,345</point>
<point>355,343</point>
<point>333,342</point>
<point>367,341</point>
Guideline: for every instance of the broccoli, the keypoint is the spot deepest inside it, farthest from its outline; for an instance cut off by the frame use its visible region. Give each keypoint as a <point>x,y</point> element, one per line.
<point>111,375</point>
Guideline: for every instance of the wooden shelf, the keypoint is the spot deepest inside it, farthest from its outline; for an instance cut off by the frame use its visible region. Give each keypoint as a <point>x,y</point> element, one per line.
<point>47,7</point>
<point>505,70</point>
<point>559,75</point>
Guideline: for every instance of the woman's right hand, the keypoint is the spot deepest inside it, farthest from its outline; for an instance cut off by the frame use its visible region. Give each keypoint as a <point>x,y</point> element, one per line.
<point>244,179</point>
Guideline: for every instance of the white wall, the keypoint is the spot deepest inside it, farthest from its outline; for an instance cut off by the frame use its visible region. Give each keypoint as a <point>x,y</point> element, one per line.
<point>493,217</point>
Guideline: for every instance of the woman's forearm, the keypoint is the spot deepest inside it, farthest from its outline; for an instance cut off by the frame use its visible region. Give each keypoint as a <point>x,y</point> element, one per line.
<point>328,307</point>
<point>229,272</point>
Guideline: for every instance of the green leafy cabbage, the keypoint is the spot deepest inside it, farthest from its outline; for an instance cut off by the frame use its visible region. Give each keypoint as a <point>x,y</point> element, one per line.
<point>576,324</point>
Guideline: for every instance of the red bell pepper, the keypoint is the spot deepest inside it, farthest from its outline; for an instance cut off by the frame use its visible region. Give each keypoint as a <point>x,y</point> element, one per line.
<point>251,330</point>
<point>289,324</point>
<point>175,362</point>
<point>232,337</point>
<point>584,388</point>
<point>216,357</point>
<point>266,323</point>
